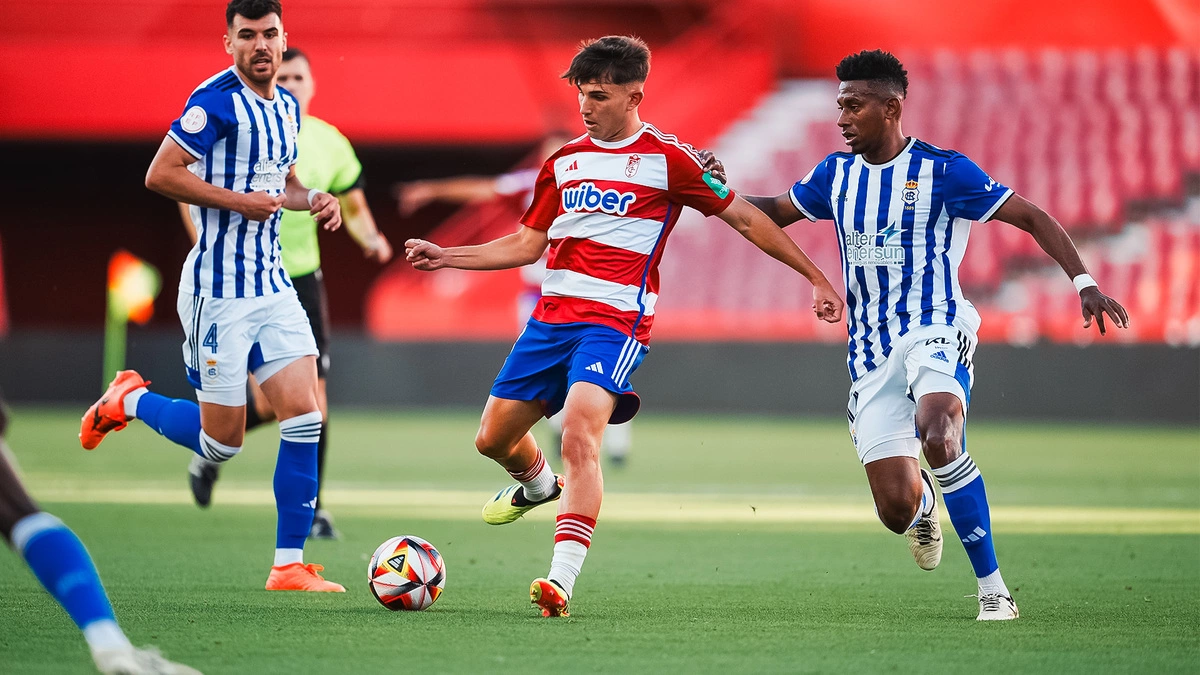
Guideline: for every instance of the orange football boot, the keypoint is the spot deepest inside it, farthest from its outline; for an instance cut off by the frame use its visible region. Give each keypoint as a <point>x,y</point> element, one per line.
<point>549,597</point>
<point>301,577</point>
<point>108,414</point>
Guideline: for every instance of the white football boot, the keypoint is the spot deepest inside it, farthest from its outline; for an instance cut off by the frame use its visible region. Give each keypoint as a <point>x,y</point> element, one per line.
<point>925,537</point>
<point>134,661</point>
<point>996,607</point>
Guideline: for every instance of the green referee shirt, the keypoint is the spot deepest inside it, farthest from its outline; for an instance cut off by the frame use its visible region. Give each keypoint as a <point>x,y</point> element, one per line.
<point>328,163</point>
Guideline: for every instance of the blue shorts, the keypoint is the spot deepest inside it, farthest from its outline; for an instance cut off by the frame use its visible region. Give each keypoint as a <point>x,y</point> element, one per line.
<point>548,358</point>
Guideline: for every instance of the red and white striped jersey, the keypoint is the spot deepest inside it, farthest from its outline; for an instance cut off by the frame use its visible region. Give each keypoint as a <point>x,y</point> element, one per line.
<point>608,209</point>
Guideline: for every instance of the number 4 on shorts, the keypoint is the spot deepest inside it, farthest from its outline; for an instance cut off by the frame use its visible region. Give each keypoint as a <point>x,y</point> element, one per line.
<point>210,339</point>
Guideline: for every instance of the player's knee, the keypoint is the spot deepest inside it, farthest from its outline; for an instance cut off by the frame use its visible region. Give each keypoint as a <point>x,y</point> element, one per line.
<point>940,444</point>
<point>579,446</point>
<point>896,510</point>
<point>492,444</point>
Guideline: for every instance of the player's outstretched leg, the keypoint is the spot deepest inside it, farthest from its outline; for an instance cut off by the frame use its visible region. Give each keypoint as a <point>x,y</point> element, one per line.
<point>588,408</point>
<point>504,437</point>
<point>940,421</point>
<point>61,563</point>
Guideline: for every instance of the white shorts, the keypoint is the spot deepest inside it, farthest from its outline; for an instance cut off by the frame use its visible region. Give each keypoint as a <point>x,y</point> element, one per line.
<point>224,338</point>
<point>883,403</point>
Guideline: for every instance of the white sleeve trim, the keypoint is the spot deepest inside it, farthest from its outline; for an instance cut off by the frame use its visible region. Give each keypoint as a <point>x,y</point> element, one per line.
<point>996,207</point>
<point>803,211</point>
<point>175,137</point>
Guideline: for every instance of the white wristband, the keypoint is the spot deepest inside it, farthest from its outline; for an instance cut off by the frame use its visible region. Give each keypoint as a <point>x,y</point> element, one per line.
<point>312,193</point>
<point>1084,281</point>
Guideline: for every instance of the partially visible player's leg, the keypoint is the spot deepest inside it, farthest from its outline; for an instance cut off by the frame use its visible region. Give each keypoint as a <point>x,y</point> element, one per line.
<point>504,437</point>
<point>618,440</point>
<point>322,527</point>
<point>63,566</point>
<point>881,424</point>
<point>292,392</point>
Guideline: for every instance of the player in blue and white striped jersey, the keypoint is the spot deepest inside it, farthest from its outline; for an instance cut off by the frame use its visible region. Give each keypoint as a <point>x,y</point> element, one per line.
<point>232,154</point>
<point>902,209</point>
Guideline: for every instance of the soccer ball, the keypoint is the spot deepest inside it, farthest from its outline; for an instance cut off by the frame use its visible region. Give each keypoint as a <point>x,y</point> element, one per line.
<point>406,573</point>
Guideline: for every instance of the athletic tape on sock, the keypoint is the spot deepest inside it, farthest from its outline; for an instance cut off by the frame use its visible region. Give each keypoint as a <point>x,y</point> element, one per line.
<point>216,451</point>
<point>304,428</point>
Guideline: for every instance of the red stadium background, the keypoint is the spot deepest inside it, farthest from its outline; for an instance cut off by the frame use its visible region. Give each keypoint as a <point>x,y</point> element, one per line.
<point>1090,108</point>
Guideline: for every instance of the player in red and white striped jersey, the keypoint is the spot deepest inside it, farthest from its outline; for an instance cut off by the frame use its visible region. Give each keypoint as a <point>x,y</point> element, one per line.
<point>604,204</point>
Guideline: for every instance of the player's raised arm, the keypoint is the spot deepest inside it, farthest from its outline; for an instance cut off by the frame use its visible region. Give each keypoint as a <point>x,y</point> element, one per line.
<point>1055,241</point>
<point>521,248</point>
<point>752,224</point>
<point>170,176</point>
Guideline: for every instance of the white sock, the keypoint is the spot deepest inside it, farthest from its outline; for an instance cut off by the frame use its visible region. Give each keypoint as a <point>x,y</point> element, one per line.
<point>993,583</point>
<point>538,480</point>
<point>928,499</point>
<point>287,556</point>
<point>131,401</point>
<point>105,635</point>
<point>566,564</point>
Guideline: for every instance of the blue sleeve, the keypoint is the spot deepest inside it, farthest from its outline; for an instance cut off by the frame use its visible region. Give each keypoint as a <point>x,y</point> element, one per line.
<point>206,118</point>
<point>812,194</point>
<point>969,192</point>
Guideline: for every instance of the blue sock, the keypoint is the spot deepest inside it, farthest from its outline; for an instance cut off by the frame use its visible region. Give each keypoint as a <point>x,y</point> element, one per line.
<point>296,479</point>
<point>176,419</point>
<point>966,501</point>
<point>59,560</point>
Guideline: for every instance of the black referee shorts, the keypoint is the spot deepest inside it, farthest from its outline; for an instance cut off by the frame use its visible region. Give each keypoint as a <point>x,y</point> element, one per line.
<point>310,289</point>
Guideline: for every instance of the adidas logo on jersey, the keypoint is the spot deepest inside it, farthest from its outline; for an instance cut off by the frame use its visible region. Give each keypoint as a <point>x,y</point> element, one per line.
<point>574,166</point>
<point>596,368</point>
<point>940,356</point>
<point>587,197</point>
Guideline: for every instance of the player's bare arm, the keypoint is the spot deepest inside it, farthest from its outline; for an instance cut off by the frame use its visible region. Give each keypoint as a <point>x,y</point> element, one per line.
<point>752,224</point>
<point>1055,241</point>
<point>521,248</point>
<point>361,227</point>
<point>323,206</point>
<point>779,209</point>
<point>169,176</point>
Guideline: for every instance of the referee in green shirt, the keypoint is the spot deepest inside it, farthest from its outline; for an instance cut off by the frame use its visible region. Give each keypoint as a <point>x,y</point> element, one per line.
<point>326,162</point>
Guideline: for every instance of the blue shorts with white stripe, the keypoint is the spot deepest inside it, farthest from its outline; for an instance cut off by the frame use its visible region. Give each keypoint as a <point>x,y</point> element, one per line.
<point>548,358</point>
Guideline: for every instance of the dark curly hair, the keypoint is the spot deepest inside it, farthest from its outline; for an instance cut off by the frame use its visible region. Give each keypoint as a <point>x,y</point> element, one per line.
<point>877,66</point>
<point>615,59</point>
<point>251,9</point>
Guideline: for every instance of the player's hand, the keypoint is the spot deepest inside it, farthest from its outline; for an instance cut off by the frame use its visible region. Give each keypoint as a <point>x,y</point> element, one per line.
<point>411,197</point>
<point>827,303</point>
<point>424,255</point>
<point>1096,304</point>
<point>260,206</point>
<point>327,211</point>
<point>712,165</point>
<point>378,249</point>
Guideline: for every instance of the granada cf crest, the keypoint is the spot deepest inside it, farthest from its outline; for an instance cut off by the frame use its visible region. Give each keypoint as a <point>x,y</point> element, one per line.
<point>631,167</point>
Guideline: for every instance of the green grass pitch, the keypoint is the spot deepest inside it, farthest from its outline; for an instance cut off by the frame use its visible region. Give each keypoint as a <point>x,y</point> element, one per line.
<point>726,545</point>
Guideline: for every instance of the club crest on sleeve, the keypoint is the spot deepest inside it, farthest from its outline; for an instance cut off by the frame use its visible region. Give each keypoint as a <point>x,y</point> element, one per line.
<point>194,120</point>
<point>631,167</point>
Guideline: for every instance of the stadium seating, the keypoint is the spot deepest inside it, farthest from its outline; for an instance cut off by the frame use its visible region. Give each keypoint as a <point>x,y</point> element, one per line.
<point>1107,142</point>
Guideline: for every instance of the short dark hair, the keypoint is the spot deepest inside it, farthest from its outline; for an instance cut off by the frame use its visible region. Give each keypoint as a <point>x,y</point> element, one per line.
<point>876,66</point>
<point>294,53</point>
<point>614,59</point>
<point>251,9</point>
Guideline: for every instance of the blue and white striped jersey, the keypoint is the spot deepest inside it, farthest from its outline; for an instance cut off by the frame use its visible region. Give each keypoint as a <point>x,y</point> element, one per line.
<point>244,143</point>
<point>902,229</point>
